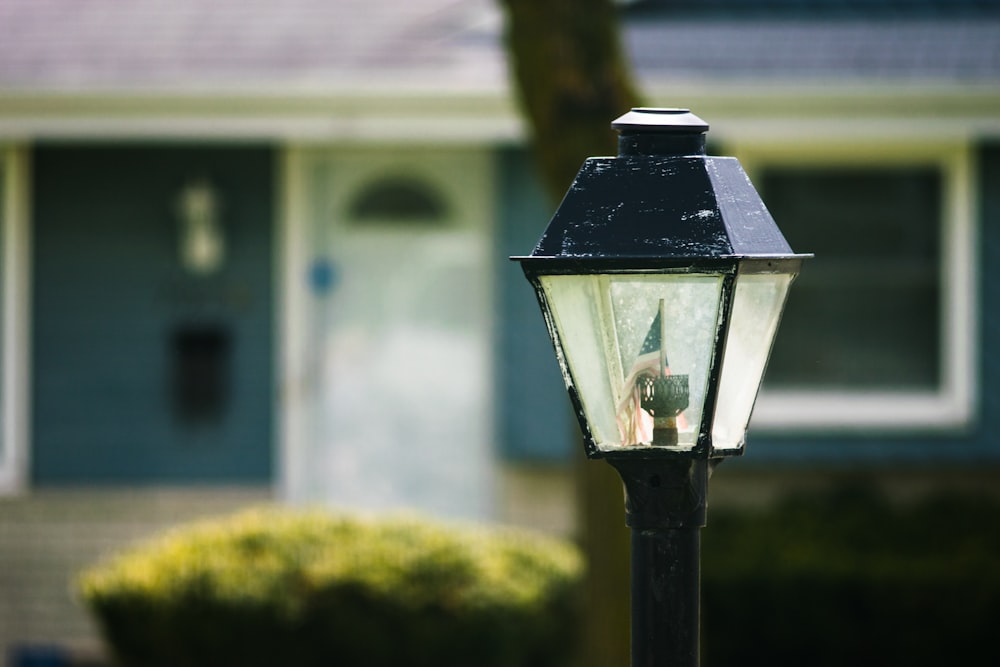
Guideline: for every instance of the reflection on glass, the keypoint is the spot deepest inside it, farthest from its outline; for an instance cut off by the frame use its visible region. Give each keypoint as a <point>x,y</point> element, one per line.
<point>651,409</point>
<point>637,349</point>
<point>757,305</point>
<point>664,333</point>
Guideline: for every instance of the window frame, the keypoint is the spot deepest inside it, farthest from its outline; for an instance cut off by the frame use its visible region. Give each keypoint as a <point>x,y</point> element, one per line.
<point>952,404</point>
<point>15,260</point>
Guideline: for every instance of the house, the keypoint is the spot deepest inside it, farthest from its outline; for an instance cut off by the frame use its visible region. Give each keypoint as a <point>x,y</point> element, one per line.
<point>258,250</point>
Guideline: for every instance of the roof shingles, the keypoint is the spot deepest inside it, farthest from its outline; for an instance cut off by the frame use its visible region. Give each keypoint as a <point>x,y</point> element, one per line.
<point>107,43</point>
<point>141,45</point>
<point>959,50</point>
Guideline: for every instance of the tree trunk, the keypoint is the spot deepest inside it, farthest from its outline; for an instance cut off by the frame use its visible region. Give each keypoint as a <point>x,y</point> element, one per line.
<point>573,80</point>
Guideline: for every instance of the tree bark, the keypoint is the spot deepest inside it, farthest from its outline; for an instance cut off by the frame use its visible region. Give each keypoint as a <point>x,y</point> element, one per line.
<point>572,80</point>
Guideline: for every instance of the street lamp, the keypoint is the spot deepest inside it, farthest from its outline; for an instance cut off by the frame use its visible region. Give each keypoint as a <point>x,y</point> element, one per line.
<point>662,278</point>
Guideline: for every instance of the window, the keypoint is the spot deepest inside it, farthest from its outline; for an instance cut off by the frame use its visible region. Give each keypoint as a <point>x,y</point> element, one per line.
<point>398,200</point>
<point>865,312</point>
<point>878,329</point>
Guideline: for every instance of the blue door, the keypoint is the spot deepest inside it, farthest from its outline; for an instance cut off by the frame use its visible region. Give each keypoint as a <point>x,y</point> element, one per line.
<point>152,314</point>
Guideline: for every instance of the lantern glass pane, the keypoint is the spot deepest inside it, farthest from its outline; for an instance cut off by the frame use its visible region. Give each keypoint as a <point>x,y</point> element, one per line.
<point>757,304</point>
<point>638,350</point>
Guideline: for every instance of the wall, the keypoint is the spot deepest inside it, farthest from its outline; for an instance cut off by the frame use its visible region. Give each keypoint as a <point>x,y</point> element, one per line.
<point>535,420</point>
<point>47,537</point>
<point>128,347</point>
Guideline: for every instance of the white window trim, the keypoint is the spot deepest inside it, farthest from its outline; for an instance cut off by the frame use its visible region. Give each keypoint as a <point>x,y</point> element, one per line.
<point>14,338</point>
<point>952,405</point>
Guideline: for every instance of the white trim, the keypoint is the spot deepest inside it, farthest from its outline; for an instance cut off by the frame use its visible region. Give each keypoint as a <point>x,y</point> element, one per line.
<point>396,129</point>
<point>15,338</point>
<point>787,113</point>
<point>449,118</point>
<point>293,372</point>
<point>366,111</point>
<point>953,404</point>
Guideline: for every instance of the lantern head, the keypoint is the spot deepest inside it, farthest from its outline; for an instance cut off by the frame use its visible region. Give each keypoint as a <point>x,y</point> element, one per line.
<point>662,278</point>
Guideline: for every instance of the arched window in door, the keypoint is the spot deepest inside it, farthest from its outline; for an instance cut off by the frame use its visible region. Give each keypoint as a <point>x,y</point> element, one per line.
<point>398,200</point>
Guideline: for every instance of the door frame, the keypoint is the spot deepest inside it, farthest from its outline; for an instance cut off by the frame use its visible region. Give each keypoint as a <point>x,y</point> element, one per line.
<point>15,319</point>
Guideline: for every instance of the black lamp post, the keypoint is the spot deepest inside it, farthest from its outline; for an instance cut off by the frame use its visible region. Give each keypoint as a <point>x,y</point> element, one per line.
<point>662,278</point>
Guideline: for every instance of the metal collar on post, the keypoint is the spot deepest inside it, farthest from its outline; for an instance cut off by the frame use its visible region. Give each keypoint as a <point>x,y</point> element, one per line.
<point>664,493</point>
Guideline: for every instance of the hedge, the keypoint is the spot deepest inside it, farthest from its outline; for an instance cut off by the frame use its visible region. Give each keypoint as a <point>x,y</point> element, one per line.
<point>283,587</point>
<point>820,580</point>
<point>847,578</point>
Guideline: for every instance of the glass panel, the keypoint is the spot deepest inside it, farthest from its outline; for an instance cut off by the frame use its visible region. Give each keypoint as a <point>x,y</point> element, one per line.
<point>866,315</point>
<point>577,308</point>
<point>639,348</point>
<point>757,304</point>
<point>398,200</point>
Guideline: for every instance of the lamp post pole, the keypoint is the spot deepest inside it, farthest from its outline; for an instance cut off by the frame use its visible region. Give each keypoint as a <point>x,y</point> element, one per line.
<point>665,504</point>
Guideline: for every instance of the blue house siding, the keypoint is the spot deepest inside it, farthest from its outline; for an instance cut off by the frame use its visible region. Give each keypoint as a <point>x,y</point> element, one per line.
<point>534,418</point>
<point>143,372</point>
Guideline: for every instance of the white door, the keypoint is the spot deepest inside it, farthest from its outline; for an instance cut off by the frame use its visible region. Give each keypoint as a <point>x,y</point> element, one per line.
<point>395,349</point>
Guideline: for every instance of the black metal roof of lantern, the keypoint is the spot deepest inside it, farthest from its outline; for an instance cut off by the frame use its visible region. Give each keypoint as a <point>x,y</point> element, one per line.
<point>662,200</point>
<point>659,210</point>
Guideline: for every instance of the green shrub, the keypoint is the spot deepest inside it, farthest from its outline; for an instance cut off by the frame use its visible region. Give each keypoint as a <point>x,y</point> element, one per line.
<point>280,587</point>
<point>847,578</point>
